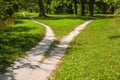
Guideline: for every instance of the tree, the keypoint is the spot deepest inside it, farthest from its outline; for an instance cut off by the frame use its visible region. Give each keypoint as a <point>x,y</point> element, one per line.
<point>75,6</point>
<point>113,5</point>
<point>82,7</point>
<point>41,8</point>
<point>47,4</point>
<point>28,5</point>
<point>91,7</point>
<point>62,6</point>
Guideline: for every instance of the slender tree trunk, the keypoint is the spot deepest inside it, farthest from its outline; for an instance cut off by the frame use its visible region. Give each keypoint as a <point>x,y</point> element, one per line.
<point>91,7</point>
<point>41,6</point>
<point>105,8</point>
<point>82,7</point>
<point>112,9</point>
<point>75,6</point>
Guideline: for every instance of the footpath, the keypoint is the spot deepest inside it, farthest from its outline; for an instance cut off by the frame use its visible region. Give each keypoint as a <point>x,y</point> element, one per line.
<point>30,68</point>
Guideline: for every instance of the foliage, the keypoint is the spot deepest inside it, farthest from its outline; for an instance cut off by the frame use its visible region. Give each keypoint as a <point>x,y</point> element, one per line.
<point>8,7</point>
<point>28,5</point>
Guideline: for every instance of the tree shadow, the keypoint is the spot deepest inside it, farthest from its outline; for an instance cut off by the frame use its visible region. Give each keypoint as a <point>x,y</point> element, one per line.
<point>19,22</point>
<point>115,37</point>
<point>27,62</point>
<point>102,17</point>
<point>19,29</point>
<point>60,17</point>
<point>21,17</point>
<point>63,17</point>
<point>14,42</point>
<point>11,75</point>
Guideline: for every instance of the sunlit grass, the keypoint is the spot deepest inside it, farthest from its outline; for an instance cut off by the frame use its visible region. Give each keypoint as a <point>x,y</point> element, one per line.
<point>32,14</point>
<point>63,24</point>
<point>94,54</point>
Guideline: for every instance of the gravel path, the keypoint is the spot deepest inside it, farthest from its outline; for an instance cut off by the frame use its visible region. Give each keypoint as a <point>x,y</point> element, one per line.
<point>29,68</point>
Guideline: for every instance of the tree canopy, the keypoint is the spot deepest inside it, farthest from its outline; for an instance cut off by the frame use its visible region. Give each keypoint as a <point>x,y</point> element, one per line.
<point>8,7</point>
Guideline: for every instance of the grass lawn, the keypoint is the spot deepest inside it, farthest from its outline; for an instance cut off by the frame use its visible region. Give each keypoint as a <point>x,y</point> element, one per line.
<point>6,23</point>
<point>63,24</point>
<point>94,54</point>
<point>16,40</point>
<point>60,24</point>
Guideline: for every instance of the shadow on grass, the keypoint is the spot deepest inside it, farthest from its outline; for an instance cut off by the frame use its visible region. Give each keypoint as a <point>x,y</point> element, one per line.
<point>19,29</point>
<point>13,44</point>
<point>63,17</point>
<point>103,17</point>
<point>21,17</point>
<point>19,22</point>
<point>66,16</point>
<point>115,37</point>
<point>59,17</point>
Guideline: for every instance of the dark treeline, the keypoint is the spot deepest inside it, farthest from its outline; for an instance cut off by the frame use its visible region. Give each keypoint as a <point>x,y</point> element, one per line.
<point>80,7</point>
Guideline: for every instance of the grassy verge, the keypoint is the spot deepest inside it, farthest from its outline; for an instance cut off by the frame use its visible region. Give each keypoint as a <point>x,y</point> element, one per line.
<point>94,54</point>
<point>16,40</point>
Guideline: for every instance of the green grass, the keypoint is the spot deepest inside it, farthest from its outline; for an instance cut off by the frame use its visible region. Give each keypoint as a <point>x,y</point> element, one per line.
<point>94,54</point>
<point>16,40</point>
<point>60,24</point>
<point>63,24</point>
<point>6,23</point>
<point>31,14</point>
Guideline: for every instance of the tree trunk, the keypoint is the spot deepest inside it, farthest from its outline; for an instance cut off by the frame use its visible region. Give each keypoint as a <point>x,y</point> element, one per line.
<point>104,8</point>
<point>75,6</point>
<point>91,7</point>
<point>112,9</point>
<point>41,7</point>
<point>82,7</point>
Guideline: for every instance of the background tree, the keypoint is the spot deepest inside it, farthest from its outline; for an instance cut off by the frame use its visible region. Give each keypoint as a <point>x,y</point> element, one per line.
<point>75,6</point>
<point>82,7</point>
<point>41,7</point>
<point>91,7</point>
<point>7,8</point>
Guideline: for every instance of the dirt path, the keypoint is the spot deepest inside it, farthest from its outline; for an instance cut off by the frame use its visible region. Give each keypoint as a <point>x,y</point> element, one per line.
<point>29,68</point>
